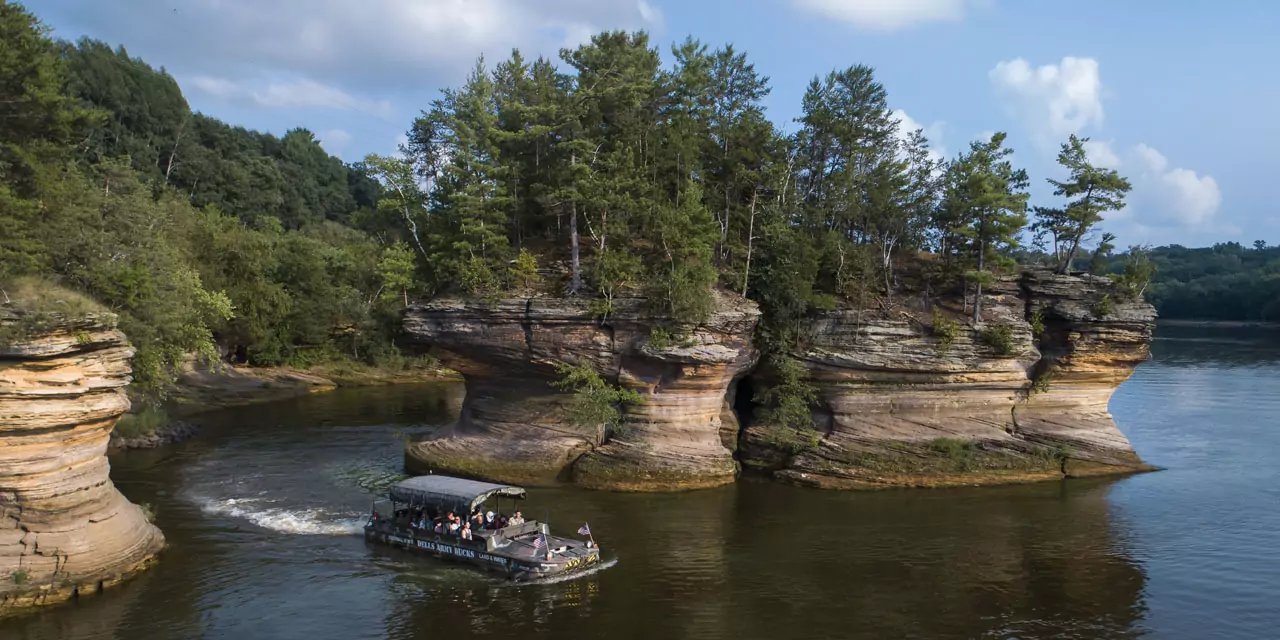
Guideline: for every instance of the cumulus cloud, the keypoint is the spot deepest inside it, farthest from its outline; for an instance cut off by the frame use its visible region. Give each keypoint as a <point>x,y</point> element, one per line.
<point>1177,196</point>
<point>334,140</point>
<point>1052,100</point>
<point>297,94</point>
<point>370,44</point>
<point>1101,153</point>
<point>885,15</point>
<point>934,132</point>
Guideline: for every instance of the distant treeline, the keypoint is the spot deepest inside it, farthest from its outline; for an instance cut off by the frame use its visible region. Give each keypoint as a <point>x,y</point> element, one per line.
<point>1226,282</point>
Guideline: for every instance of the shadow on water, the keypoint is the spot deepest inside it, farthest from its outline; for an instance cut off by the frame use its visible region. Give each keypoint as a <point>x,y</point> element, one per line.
<point>259,511</point>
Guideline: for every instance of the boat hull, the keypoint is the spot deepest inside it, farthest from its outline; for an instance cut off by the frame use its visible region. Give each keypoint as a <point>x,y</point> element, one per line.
<point>476,554</point>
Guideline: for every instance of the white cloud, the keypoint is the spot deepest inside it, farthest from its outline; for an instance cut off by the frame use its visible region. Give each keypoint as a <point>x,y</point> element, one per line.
<point>885,15</point>
<point>1173,197</point>
<point>385,44</point>
<point>298,94</point>
<point>649,13</point>
<point>1053,100</point>
<point>1152,160</point>
<point>934,132</point>
<point>334,140</point>
<point>1101,153</point>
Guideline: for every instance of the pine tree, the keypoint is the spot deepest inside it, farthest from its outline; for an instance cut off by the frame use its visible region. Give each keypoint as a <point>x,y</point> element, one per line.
<point>469,230</point>
<point>744,147</point>
<point>1096,190</point>
<point>987,197</point>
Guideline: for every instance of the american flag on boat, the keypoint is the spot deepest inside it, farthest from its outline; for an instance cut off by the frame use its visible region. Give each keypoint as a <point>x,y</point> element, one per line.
<point>540,542</point>
<point>584,530</point>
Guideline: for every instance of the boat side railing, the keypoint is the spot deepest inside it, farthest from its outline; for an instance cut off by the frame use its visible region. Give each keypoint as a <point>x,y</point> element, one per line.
<point>498,538</point>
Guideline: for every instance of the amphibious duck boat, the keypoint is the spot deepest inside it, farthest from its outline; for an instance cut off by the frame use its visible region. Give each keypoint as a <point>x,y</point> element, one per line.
<point>524,551</point>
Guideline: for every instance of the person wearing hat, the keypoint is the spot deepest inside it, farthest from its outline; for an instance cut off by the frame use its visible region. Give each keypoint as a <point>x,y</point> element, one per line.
<point>488,520</point>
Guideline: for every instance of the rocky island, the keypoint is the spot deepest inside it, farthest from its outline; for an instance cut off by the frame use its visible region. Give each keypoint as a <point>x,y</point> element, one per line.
<point>64,528</point>
<point>901,400</point>
<point>514,425</point>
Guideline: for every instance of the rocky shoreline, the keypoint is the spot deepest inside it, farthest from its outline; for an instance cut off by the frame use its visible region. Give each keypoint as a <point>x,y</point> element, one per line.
<point>171,433</point>
<point>902,400</point>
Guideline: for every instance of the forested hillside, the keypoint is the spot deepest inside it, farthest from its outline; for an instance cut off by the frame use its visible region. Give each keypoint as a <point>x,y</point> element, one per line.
<point>606,173</point>
<point>1224,282</point>
<point>203,237</point>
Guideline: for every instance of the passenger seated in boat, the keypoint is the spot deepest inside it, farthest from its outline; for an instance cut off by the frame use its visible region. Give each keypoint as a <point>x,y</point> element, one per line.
<point>452,528</point>
<point>516,519</point>
<point>477,520</point>
<point>466,530</point>
<point>439,528</point>
<point>489,521</point>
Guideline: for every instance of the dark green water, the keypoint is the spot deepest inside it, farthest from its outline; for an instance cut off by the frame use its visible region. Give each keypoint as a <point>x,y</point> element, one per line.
<point>261,510</point>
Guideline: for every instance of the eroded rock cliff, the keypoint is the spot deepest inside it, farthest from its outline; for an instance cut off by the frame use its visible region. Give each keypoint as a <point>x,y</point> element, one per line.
<point>64,528</point>
<point>1023,396</point>
<point>908,395</point>
<point>514,424</point>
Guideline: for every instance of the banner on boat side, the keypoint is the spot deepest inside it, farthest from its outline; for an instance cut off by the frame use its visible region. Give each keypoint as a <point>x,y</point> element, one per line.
<point>447,549</point>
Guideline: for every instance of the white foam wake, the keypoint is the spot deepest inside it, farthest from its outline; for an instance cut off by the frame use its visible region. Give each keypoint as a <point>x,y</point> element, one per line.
<point>313,522</point>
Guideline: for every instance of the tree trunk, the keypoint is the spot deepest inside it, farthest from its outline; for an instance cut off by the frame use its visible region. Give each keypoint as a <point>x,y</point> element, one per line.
<point>576,282</point>
<point>174,153</point>
<point>977,298</point>
<point>751,230</point>
<point>1065,267</point>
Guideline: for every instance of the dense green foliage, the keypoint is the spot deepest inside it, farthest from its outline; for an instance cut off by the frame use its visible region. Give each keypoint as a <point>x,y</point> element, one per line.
<point>203,238</point>
<point>1225,282</point>
<point>596,403</point>
<point>609,174</point>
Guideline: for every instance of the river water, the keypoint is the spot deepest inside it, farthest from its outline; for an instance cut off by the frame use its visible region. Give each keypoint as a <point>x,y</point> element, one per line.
<point>262,513</point>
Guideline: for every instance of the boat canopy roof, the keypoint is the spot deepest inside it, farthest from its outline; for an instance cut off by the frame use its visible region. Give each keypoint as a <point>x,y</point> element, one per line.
<point>449,491</point>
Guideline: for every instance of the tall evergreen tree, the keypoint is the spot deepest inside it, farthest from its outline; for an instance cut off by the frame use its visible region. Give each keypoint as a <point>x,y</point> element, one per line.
<point>1096,190</point>
<point>987,197</point>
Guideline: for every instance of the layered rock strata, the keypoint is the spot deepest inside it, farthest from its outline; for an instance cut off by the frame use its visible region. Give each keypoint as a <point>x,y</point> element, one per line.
<point>515,424</point>
<point>64,528</point>
<point>911,394</point>
<point>905,399</point>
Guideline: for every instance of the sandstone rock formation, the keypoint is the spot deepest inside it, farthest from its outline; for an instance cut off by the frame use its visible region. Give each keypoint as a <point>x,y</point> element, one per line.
<point>900,406</point>
<point>64,528</point>
<point>514,424</point>
<point>905,398</point>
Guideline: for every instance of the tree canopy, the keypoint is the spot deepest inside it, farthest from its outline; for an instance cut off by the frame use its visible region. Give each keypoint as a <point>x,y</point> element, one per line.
<point>611,171</point>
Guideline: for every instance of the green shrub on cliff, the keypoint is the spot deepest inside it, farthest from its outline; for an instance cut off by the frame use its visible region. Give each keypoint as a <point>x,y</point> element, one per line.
<point>1037,323</point>
<point>144,422</point>
<point>787,403</point>
<point>999,336</point>
<point>596,403</point>
<point>945,331</point>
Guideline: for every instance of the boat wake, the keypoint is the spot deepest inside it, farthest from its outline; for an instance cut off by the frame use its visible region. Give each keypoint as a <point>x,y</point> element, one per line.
<point>575,575</point>
<point>314,522</point>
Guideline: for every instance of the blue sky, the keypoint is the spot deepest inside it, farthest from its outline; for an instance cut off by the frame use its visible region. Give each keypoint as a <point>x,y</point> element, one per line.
<point>1178,95</point>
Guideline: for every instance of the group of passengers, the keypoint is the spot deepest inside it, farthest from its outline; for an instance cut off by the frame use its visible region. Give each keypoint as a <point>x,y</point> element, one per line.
<point>451,524</point>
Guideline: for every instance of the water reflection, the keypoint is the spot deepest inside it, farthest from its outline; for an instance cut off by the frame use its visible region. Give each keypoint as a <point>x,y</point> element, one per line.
<point>255,507</point>
<point>1215,347</point>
